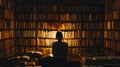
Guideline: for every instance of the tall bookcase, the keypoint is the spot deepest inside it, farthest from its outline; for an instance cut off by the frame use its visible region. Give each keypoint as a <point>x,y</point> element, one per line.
<point>6,28</point>
<point>36,26</point>
<point>87,25</point>
<point>112,25</point>
<point>81,22</point>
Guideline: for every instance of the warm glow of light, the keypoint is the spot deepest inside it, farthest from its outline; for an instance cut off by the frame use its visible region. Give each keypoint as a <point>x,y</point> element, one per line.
<point>94,58</point>
<point>108,25</point>
<point>51,55</point>
<point>57,25</point>
<point>53,34</point>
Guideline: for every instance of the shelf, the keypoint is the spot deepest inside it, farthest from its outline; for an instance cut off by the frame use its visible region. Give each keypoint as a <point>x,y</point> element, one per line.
<point>34,24</point>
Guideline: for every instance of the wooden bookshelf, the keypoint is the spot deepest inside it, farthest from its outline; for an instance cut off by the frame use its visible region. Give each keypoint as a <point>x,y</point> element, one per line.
<point>112,26</point>
<point>36,25</point>
<point>28,25</point>
<point>6,28</point>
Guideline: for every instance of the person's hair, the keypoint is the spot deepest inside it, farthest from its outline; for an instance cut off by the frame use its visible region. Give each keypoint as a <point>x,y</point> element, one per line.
<point>59,35</point>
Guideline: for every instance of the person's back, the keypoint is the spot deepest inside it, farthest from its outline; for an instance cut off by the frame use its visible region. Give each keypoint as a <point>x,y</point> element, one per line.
<point>59,48</point>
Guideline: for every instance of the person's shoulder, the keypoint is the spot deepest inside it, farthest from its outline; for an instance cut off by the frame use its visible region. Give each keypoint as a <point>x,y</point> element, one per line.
<point>55,43</point>
<point>64,42</point>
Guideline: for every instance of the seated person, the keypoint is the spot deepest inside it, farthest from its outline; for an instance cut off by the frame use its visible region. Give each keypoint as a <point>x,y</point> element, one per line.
<point>59,48</point>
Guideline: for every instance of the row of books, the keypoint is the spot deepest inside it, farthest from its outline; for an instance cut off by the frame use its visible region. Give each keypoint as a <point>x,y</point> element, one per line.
<point>52,34</point>
<point>112,35</point>
<point>108,16</point>
<point>6,3</point>
<point>59,17</point>
<point>112,45</point>
<point>90,42</point>
<point>92,25</point>
<point>26,33</point>
<point>3,2</point>
<point>91,34</point>
<point>9,14</point>
<point>25,25</point>
<point>116,14</point>
<point>10,52</point>
<point>25,16</point>
<point>30,42</point>
<point>113,15</point>
<point>47,25</point>
<point>66,34</point>
<point>6,13</point>
<point>49,42</point>
<point>68,17</point>
<point>62,25</point>
<point>45,42</point>
<point>26,8</point>
<point>110,25</point>
<point>9,24</point>
<point>84,9</point>
<point>9,43</point>
<point>46,34</point>
<point>57,8</point>
<point>6,34</point>
<point>4,24</point>
<point>9,33</point>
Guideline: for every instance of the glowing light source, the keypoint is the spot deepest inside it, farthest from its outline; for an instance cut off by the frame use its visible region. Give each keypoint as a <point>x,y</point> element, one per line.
<point>51,55</point>
<point>94,58</point>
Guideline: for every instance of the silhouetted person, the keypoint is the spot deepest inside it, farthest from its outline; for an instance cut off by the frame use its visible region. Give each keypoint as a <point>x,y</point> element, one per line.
<point>59,48</point>
<point>60,52</point>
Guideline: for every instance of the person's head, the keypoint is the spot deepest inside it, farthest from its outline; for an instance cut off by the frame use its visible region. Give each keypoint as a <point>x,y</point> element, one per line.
<point>59,35</point>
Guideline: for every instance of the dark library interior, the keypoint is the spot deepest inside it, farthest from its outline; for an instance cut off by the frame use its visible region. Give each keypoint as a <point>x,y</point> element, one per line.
<point>90,28</point>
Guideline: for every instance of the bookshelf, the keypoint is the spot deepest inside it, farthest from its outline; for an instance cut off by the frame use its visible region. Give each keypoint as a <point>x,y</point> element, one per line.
<point>112,26</point>
<point>37,23</point>
<point>6,28</point>
<point>28,25</point>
